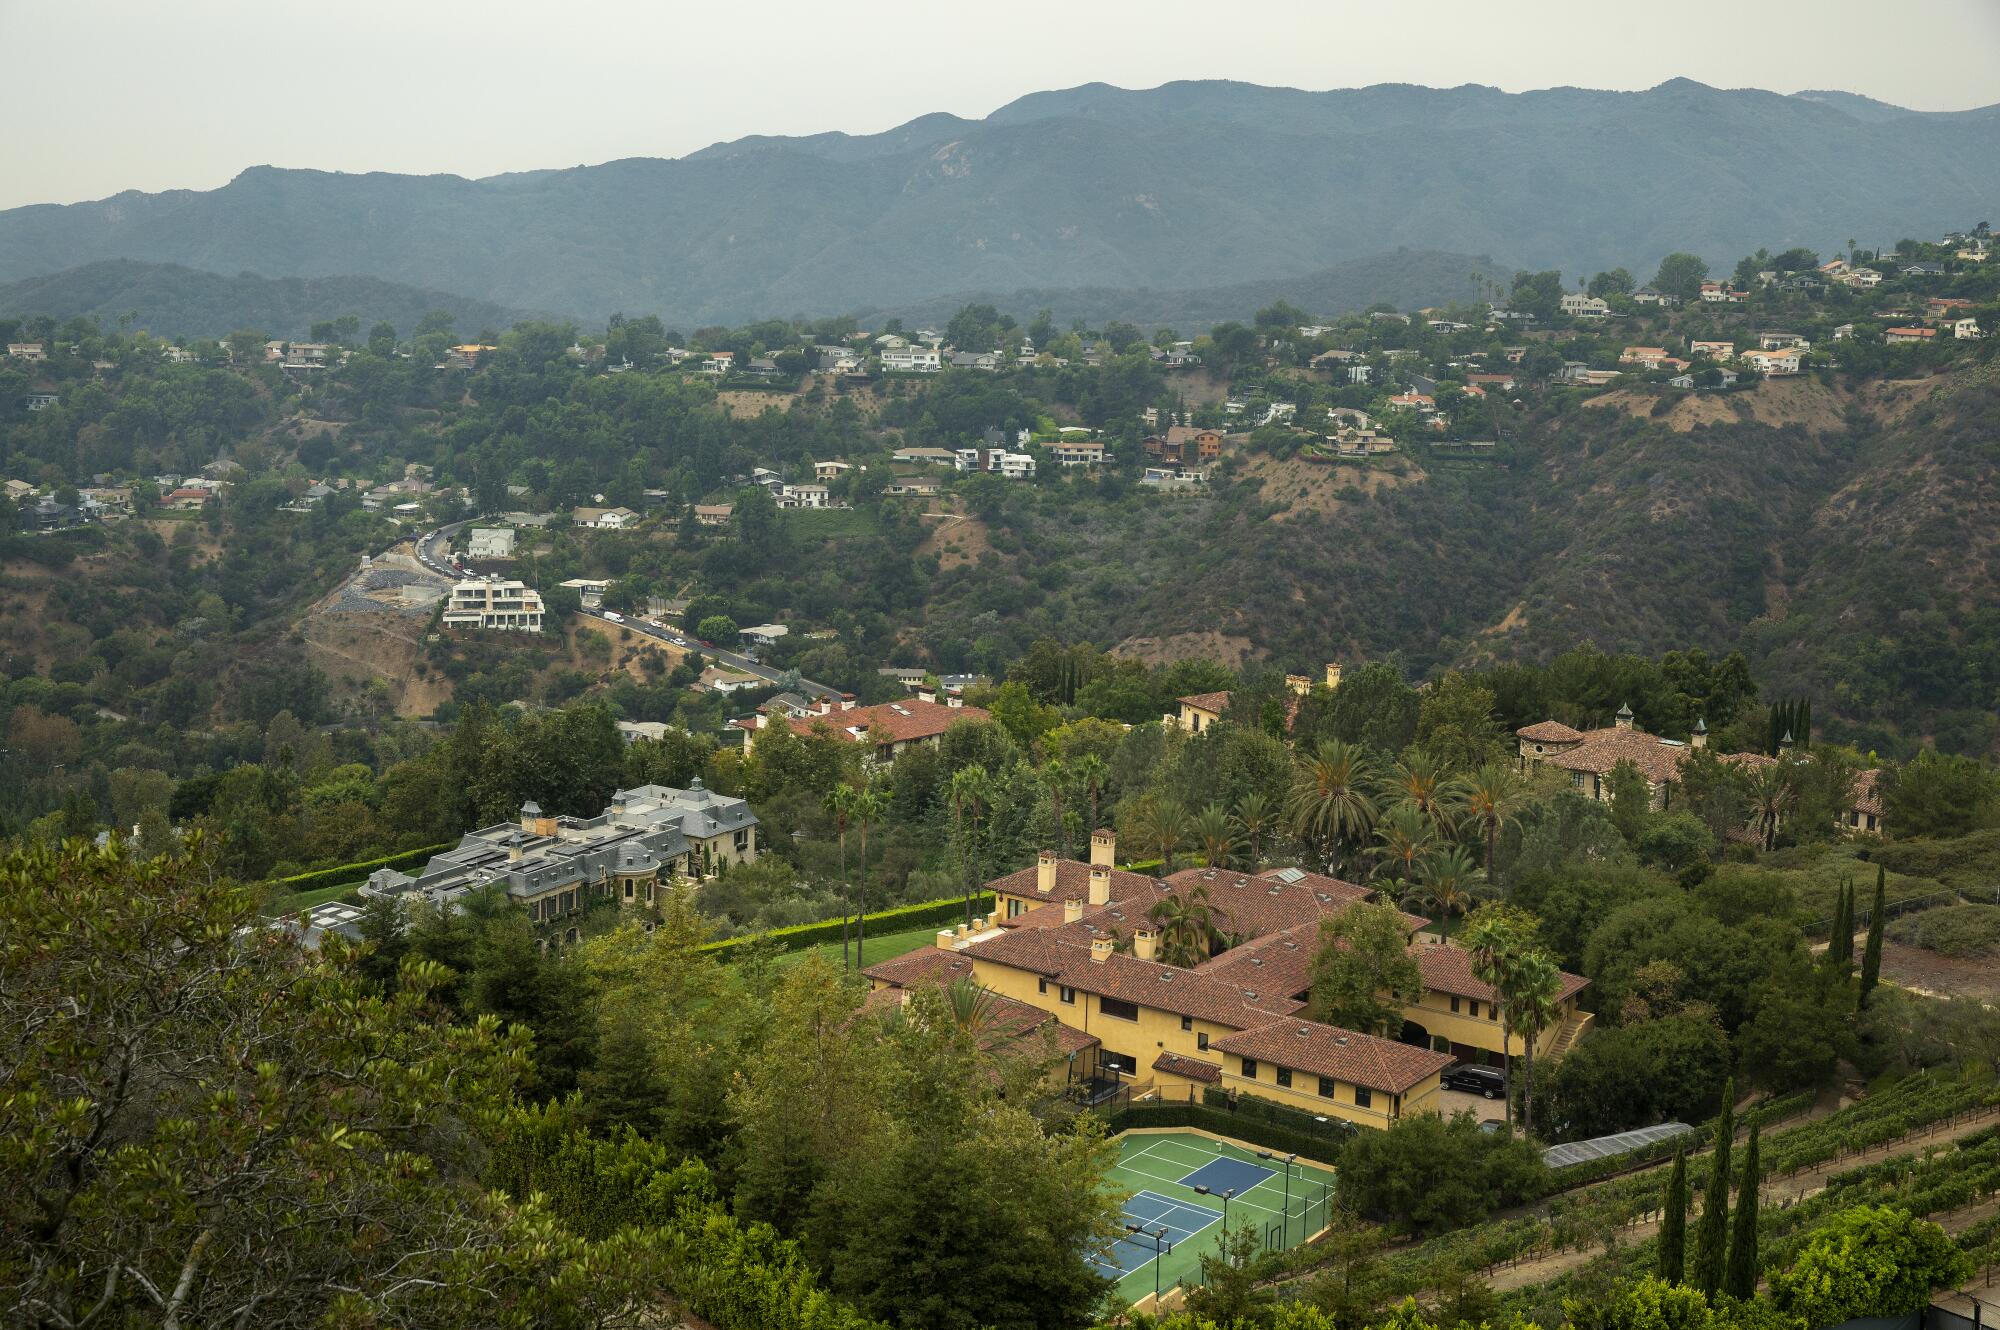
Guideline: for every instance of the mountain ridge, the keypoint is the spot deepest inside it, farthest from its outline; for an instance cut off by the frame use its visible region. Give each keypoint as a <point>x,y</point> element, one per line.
<point>1187,186</point>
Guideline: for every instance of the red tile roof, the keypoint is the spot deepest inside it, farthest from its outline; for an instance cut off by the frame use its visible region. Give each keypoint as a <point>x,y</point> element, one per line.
<point>924,965</point>
<point>1215,702</point>
<point>1072,879</point>
<point>1279,962</point>
<point>1550,731</point>
<point>895,722</point>
<point>1194,1069</point>
<point>1868,792</point>
<point>1254,905</point>
<point>1448,969</point>
<point>1146,983</point>
<point>1343,1055</point>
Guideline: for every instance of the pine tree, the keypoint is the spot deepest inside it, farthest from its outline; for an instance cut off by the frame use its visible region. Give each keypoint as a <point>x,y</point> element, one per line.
<point>1742,1278</point>
<point>1673,1223</point>
<point>1711,1238</point>
<point>1871,958</point>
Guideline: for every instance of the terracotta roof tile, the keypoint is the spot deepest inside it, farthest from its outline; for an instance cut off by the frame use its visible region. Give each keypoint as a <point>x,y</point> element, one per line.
<point>1868,792</point>
<point>1215,702</point>
<point>1550,731</point>
<point>1194,1069</point>
<point>1344,1055</point>
<point>898,722</point>
<point>924,965</point>
<point>1448,969</point>
<point>1253,905</point>
<point>1146,983</point>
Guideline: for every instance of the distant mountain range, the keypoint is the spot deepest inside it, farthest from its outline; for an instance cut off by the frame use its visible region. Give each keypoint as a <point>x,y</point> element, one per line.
<point>169,300</point>
<point>1186,187</point>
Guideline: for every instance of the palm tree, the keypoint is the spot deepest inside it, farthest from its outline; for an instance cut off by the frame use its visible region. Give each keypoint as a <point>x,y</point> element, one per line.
<point>1534,1001</point>
<point>1185,925</point>
<point>1215,835</point>
<point>1254,819</point>
<point>1402,839</point>
<point>970,1003</point>
<point>1496,936</point>
<point>967,791</point>
<point>1331,804</point>
<point>1448,873</point>
<point>840,802</point>
<point>1492,793</point>
<point>1427,784</point>
<point>1773,791</point>
<point>1091,771</point>
<point>869,806</point>
<point>1163,827</point>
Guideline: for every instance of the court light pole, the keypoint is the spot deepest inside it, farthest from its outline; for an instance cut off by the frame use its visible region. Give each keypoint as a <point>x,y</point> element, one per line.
<point>1227,1193</point>
<point>1157,1238</point>
<point>1289,1161</point>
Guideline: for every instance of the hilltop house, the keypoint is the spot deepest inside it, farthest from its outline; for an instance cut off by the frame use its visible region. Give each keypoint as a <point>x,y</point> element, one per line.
<point>912,359</point>
<point>1589,755</point>
<point>501,603</point>
<point>1079,941</point>
<point>890,729</point>
<point>1908,336</point>
<point>1580,306</point>
<point>631,854</point>
<point>1772,364</point>
<point>713,514</point>
<point>604,519</point>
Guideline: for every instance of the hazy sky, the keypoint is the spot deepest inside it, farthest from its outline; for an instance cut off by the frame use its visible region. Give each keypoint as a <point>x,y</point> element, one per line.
<point>184,94</point>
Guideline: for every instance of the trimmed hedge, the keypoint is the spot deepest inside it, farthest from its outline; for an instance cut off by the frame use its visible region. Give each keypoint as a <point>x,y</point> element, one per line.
<point>899,920</point>
<point>328,877</point>
<point>1238,1126</point>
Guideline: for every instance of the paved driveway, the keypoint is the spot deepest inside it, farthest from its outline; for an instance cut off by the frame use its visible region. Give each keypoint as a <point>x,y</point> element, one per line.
<point>1453,1102</point>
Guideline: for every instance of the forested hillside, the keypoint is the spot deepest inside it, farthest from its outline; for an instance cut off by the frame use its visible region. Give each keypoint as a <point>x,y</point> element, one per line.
<point>169,300</point>
<point>1184,186</point>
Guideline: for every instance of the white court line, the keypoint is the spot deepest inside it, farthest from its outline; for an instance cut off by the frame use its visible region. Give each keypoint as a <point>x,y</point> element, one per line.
<point>1241,1199</point>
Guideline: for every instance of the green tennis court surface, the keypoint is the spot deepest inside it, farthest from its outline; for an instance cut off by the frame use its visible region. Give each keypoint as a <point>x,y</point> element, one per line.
<point>1182,1184</point>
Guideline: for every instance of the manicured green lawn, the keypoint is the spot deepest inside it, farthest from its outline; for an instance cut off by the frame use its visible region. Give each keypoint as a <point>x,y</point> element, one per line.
<point>878,949</point>
<point>295,901</point>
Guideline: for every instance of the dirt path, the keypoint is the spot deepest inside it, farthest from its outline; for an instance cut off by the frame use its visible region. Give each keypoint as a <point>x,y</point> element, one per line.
<point>1787,1188</point>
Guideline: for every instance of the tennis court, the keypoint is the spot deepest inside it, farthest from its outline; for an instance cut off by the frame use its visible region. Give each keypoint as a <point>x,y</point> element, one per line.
<point>1197,1188</point>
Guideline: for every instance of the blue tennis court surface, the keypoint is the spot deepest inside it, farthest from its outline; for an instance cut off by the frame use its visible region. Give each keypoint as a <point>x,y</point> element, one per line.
<point>1222,1174</point>
<point>1154,1212</point>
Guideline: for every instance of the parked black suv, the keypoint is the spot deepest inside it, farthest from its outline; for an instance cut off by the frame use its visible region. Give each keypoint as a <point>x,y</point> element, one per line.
<point>1474,1080</point>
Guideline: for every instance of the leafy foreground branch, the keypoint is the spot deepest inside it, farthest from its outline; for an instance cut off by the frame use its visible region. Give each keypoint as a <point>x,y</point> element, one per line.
<point>202,1124</point>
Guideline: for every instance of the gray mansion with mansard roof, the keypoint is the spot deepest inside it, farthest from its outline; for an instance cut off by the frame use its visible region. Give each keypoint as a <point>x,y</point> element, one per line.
<point>554,866</point>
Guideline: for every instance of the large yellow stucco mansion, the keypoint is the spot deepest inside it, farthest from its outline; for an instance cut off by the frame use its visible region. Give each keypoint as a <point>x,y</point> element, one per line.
<point>1076,940</point>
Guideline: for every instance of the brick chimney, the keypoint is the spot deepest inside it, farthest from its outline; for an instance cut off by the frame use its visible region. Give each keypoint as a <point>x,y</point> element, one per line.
<point>1104,848</point>
<point>1145,944</point>
<point>1072,909</point>
<point>1624,717</point>
<point>1100,886</point>
<point>1045,872</point>
<point>1100,949</point>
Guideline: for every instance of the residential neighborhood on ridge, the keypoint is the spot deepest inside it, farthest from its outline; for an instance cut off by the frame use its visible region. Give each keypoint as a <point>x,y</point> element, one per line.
<point>1171,773</point>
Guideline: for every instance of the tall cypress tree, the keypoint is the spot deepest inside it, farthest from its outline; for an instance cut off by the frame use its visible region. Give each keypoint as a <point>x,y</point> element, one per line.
<point>1673,1223</point>
<point>1871,959</point>
<point>1711,1237</point>
<point>1742,1278</point>
<point>1840,943</point>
